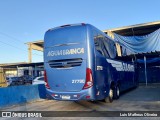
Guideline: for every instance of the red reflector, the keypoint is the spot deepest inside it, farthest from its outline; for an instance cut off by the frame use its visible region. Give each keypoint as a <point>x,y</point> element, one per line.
<point>46,80</point>
<point>87,97</point>
<point>78,96</point>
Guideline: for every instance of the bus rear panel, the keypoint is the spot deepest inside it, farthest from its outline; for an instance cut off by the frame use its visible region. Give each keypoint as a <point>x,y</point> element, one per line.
<point>66,63</point>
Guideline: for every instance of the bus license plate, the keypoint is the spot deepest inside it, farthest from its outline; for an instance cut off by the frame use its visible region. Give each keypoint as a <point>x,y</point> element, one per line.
<point>66,97</point>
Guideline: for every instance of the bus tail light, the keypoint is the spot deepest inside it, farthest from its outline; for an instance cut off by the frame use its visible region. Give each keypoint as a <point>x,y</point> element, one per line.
<point>89,79</point>
<point>46,80</point>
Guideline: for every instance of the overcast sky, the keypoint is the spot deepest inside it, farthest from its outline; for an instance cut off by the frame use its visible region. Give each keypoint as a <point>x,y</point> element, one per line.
<point>22,21</point>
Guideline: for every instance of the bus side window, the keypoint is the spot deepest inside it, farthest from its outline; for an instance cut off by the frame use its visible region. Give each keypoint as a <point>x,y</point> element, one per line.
<point>110,47</point>
<point>98,43</point>
<point>113,50</point>
<point>104,47</point>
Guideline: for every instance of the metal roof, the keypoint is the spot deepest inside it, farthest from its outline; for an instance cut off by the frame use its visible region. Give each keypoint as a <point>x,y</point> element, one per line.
<point>21,64</point>
<point>140,56</point>
<point>136,30</point>
<point>38,43</point>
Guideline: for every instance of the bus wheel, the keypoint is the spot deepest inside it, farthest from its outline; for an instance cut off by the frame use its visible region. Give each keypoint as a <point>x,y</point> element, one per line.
<point>116,92</point>
<point>110,96</point>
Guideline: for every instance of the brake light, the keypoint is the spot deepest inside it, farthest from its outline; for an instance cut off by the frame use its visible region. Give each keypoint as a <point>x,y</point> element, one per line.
<point>46,80</point>
<point>89,79</point>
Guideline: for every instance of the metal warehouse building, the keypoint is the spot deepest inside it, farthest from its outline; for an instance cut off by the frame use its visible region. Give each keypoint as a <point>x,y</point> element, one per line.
<point>148,72</point>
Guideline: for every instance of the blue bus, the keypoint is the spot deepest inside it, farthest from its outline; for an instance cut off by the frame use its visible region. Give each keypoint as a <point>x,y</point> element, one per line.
<point>80,64</point>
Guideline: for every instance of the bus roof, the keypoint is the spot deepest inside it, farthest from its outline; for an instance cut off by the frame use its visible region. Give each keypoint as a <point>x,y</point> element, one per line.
<point>67,25</point>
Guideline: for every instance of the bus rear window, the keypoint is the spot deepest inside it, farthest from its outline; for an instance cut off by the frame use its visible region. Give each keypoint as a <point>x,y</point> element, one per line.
<point>67,35</point>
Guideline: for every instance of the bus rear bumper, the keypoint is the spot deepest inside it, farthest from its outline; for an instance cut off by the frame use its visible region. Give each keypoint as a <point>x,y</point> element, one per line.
<point>71,96</point>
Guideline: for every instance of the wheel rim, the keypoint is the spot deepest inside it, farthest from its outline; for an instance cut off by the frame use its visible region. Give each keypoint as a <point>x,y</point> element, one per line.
<point>117,91</point>
<point>111,93</point>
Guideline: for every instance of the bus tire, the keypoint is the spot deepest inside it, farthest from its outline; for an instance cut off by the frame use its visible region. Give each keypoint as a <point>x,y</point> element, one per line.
<point>109,99</point>
<point>116,92</point>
